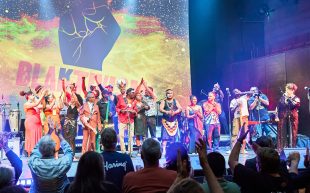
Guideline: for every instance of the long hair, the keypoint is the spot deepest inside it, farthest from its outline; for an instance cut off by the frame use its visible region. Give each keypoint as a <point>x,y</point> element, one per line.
<point>89,174</point>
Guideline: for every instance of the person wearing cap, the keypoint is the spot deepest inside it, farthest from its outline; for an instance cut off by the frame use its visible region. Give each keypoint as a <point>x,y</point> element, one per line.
<point>126,110</point>
<point>106,104</point>
<point>90,117</point>
<point>288,117</point>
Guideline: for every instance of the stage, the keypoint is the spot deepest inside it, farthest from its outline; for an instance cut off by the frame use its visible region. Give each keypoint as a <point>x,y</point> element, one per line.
<point>25,178</point>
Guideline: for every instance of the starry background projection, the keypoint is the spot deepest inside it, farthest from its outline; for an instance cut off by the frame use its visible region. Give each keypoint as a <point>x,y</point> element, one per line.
<point>42,41</point>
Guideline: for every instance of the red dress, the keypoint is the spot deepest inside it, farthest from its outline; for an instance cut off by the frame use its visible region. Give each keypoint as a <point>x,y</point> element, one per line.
<point>33,129</point>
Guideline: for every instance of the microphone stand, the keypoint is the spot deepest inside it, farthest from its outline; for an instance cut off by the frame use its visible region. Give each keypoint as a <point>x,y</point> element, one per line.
<point>229,116</point>
<point>308,96</point>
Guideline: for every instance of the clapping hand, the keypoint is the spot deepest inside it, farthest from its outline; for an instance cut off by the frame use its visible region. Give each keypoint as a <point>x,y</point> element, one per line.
<point>182,168</point>
<point>201,148</point>
<point>51,125</point>
<point>243,133</point>
<point>3,140</point>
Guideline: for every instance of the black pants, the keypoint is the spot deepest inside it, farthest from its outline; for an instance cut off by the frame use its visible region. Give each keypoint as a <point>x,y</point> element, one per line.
<point>151,125</point>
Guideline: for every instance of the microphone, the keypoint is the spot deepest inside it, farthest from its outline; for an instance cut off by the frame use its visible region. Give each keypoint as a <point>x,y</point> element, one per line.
<point>306,88</point>
<point>228,91</point>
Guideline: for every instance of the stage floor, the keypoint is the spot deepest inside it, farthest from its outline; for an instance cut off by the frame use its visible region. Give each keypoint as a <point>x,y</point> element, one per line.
<point>194,161</point>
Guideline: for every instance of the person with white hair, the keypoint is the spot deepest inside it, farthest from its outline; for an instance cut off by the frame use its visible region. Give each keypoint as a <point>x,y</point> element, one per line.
<point>90,117</point>
<point>48,173</point>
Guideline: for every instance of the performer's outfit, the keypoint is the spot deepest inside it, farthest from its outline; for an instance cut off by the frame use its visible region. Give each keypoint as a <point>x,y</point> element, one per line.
<point>151,115</point>
<point>89,115</point>
<point>241,115</point>
<point>54,114</point>
<point>70,124</point>
<point>125,121</point>
<point>260,113</point>
<point>222,116</point>
<point>33,128</point>
<point>212,125</point>
<point>170,126</point>
<point>195,126</point>
<point>288,122</point>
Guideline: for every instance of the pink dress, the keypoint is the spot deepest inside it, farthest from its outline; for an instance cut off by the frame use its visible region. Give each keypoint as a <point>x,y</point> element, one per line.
<point>33,129</point>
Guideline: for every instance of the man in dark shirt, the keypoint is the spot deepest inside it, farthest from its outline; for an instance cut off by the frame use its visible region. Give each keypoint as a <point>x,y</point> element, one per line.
<point>258,104</point>
<point>269,177</point>
<point>116,165</point>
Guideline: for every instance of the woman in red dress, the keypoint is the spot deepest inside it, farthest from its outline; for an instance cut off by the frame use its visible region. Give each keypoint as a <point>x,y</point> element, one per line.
<point>33,126</point>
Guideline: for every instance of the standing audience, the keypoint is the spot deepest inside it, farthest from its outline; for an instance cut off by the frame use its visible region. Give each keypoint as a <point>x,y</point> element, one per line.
<point>48,173</point>
<point>116,165</point>
<point>218,166</point>
<point>9,175</point>
<point>151,178</point>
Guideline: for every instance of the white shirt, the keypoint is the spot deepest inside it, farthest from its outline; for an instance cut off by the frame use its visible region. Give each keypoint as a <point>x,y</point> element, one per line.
<point>241,106</point>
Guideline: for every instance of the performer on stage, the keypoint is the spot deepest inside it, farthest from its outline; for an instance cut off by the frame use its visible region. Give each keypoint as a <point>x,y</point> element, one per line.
<point>73,101</point>
<point>33,125</point>
<point>126,110</point>
<point>92,88</point>
<point>212,110</point>
<point>239,105</point>
<point>90,117</point>
<point>288,117</point>
<point>258,104</point>
<point>140,120</point>
<point>150,99</point>
<point>195,122</point>
<point>219,97</point>
<point>52,111</point>
<point>106,105</point>
<point>170,108</point>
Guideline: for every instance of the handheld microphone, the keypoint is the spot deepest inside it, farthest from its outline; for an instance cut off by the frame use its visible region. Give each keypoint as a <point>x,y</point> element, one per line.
<point>228,91</point>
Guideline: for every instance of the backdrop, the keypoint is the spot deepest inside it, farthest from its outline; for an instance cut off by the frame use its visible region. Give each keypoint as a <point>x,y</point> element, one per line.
<point>43,41</point>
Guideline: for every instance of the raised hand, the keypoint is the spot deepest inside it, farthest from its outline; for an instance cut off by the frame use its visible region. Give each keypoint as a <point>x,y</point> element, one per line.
<point>51,126</point>
<point>201,148</point>
<point>3,140</point>
<point>182,166</point>
<point>243,134</point>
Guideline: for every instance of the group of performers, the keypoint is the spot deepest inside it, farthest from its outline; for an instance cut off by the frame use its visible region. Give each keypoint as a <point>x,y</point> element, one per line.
<point>135,111</point>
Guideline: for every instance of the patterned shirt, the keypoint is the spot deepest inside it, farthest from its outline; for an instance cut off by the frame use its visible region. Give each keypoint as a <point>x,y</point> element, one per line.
<point>152,104</point>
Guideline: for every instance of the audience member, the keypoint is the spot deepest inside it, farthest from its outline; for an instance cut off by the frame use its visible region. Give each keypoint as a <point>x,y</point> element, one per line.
<point>264,141</point>
<point>89,176</point>
<point>116,165</point>
<point>269,177</point>
<point>186,185</point>
<point>9,175</point>
<point>13,189</point>
<point>171,156</point>
<point>182,182</point>
<point>218,166</point>
<point>151,178</point>
<point>48,173</point>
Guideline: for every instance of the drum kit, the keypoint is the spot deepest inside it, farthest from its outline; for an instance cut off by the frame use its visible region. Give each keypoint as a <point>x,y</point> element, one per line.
<point>9,118</point>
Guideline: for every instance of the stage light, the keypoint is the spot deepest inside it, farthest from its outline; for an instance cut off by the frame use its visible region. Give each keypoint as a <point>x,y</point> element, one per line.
<point>46,9</point>
<point>28,182</point>
<point>23,182</point>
